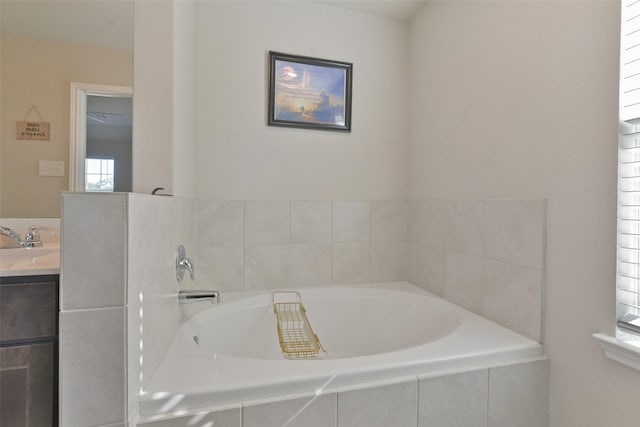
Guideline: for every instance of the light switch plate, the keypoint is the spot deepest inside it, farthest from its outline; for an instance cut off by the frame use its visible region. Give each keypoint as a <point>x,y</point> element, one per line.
<point>51,168</point>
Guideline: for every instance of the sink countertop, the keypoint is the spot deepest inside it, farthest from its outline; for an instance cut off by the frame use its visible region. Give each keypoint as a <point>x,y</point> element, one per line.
<point>30,261</point>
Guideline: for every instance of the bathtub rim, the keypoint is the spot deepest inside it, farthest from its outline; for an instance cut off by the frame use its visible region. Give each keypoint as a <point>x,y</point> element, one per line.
<point>203,398</point>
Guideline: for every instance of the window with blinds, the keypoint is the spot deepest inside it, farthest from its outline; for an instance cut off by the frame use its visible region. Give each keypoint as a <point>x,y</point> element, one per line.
<point>628,250</point>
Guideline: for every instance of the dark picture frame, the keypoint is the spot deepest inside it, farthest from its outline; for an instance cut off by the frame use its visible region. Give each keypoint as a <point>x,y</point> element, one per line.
<point>310,93</point>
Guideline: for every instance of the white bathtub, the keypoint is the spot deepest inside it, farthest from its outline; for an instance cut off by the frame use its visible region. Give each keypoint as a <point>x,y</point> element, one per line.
<point>371,334</point>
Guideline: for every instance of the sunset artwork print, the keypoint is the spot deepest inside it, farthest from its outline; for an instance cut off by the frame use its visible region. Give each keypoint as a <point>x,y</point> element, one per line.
<point>309,93</point>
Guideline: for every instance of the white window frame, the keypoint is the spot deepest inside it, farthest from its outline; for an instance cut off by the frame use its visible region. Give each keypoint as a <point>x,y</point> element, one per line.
<point>624,347</point>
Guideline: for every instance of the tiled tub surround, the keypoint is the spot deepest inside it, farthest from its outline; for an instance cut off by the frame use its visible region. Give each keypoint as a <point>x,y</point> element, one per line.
<point>117,265</point>
<point>484,255</point>
<point>506,395</point>
<point>379,338</point>
<point>252,245</point>
<point>117,268</point>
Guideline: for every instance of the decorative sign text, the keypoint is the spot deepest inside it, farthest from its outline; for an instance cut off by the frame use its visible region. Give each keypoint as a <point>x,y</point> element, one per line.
<point>33,131</point>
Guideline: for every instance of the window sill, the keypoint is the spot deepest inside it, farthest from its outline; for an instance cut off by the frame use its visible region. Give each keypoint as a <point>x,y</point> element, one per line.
<point>623,348</point>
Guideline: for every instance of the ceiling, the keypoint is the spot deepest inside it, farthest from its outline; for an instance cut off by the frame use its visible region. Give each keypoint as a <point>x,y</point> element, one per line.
<point>109,23</point>
<point>397,9</point>
<point>106,23</point>
<point>108,110</point>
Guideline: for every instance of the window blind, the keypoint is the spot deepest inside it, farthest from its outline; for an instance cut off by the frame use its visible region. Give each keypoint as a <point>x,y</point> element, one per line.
<point>628,237</point>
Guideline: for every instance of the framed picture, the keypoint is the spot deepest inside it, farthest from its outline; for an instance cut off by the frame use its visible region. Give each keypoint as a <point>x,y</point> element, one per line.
<point>309,93</point>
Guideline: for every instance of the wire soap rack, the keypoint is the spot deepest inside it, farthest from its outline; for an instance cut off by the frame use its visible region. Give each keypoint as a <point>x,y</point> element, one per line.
<point>297,339</point>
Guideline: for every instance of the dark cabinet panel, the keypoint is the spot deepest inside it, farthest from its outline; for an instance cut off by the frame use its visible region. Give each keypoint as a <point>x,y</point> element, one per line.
<point>28,351</point>
<point>27,378</point>
<point>28,310</point>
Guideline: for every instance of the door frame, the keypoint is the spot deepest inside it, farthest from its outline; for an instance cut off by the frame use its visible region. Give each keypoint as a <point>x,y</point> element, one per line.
<point>78,125</point>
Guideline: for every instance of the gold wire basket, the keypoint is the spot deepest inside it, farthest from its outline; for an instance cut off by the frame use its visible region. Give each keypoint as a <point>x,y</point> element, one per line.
<point>297,339</point>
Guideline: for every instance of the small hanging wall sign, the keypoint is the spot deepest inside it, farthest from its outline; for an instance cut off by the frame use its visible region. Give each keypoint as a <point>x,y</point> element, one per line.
<point>34,131</point>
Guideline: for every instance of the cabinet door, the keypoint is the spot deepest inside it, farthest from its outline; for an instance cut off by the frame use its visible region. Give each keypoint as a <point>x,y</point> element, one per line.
<point>28,310</point>
<point>27,378</point>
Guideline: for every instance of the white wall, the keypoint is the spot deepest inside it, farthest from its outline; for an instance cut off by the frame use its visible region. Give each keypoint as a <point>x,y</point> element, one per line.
<point>183,99</point>
<point>163,152</point>
<point>240,157</point>
<point>153,96</point>
<point>519,99</point>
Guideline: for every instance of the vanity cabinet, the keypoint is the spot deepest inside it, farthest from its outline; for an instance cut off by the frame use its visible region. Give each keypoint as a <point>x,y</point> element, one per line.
<point>29,351</point>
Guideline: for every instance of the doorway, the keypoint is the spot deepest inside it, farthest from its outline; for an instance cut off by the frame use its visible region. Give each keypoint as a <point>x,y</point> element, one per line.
<point>101,142</point>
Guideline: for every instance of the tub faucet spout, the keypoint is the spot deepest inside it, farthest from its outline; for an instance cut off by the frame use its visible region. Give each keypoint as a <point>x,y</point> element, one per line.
<point>187,297</point>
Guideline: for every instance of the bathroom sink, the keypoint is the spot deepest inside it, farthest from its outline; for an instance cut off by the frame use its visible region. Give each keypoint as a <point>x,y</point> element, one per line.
<point>30,258</point>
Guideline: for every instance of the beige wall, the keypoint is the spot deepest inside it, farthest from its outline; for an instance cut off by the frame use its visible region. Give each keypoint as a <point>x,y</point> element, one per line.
<point>239,157</point>
<point>519,99</point>
<point>38,73</point>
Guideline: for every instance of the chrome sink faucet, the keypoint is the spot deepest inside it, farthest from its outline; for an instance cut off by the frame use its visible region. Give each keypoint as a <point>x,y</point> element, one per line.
<point>11,239</point>
<point>32,238</point>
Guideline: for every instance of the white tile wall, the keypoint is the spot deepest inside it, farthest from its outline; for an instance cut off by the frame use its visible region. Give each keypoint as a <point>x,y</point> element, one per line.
<point>92,319</point>
<point>351,221</point>
<point>455,400</point>
<point>389,221</point>
<point>504,285</point>
<point>92,366</point>
<point>485,255</point>
<point>218,268</point>
<point>160,318</point>
<point>188,223</point>
<point>94,246</point>
<point>457,249</point>
<point>388,261</point>
<point>133,354</point>
<point>247,245</point>
<point>126,245</point>
<point>427,267</point>
<point>519,395</point>
<point>154,235</point>
<point>433,222</point>
<point>503,396</point>
<point>466,234</point>
<point>315,411</point>
<point>311,221</point>
<point>156,229</point>
<point>220,222</point>
<point>267,222</point>
<point>266,266</point>
<point>481,254</point>
<point>389,405</point>
<point>463,280</point>
<point>351,262</point>
<point>226,418</point>
<point>310,265</point>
